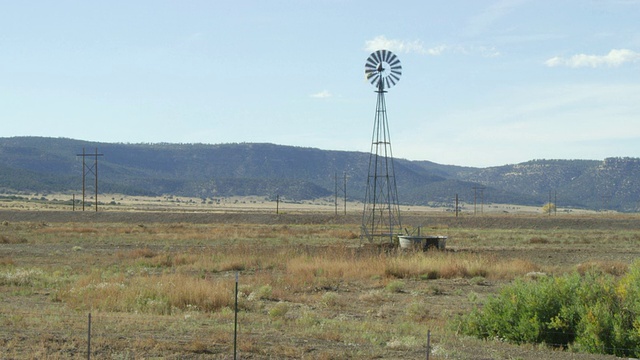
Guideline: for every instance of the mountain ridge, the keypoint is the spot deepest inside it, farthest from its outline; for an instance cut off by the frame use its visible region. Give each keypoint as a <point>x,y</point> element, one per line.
<point>43,164</point>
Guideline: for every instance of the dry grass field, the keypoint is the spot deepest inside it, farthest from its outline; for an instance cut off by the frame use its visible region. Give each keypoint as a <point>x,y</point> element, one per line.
<point>159,282</point>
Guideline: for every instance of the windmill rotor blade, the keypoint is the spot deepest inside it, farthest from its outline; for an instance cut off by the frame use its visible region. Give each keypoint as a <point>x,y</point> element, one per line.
<point>395,61</point>
<point>372,60</point>
<point>368,68</point>
<point>383,55</point>
<point>376,57</point>
<point>374,78</point>
<point>390,57</point>
<point>394,77</point>
<point>391,82</point>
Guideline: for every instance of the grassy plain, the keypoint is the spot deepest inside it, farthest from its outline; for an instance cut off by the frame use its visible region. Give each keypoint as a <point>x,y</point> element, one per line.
<point>159,282</point>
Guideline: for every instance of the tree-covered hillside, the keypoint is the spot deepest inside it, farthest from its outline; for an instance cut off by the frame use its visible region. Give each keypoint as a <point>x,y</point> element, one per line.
<point>37,164</point>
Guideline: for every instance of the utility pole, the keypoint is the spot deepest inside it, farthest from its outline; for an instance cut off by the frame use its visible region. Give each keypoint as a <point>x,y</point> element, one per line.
<point>335,200</point>
<point>456,205</point>
<point>344,190</point>
<point>605,202</point>
<point>86,169</point>
<point>345,193</point>
<point>475,195</point>
<point>475,198</point>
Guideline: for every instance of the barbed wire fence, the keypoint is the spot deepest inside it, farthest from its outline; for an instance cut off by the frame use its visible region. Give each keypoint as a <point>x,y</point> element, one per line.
<point>96,335</point>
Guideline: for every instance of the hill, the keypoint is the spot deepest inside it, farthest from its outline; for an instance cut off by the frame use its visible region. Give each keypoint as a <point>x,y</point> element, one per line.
<point>37,164</point>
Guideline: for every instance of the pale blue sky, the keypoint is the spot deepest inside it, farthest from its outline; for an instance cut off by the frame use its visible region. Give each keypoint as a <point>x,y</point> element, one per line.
<point>484,83</point>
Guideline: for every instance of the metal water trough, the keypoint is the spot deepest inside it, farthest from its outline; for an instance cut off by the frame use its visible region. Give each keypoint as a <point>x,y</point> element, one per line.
<point>422,242</point>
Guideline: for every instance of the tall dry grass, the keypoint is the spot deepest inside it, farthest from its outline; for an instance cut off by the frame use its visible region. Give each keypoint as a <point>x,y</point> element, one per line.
<point>341,262</point>
<point>332,266</point>
<point>435,265</point>
<point>163,294</point>
<point>163,282</point>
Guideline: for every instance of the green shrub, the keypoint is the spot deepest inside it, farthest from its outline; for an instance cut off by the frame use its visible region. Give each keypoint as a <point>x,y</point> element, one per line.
<point>21,277</point>
<point>330,299</point>
<point>417,311</point>
<point>279,310</point>
<point>262,293</point>
<point>395,286</point>
<point>594,312</point>
<point>527,312</point>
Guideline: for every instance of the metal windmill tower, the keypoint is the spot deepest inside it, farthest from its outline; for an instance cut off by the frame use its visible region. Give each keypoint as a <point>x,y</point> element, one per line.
<point>381,215</point>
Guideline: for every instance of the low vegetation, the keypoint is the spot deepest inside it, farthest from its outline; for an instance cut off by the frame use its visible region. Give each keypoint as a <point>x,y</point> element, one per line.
<point>309,290</point>
<point>593,312</point>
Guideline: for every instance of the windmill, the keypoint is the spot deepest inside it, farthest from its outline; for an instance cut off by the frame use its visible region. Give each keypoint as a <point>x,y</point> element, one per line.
<point>381,215</point>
